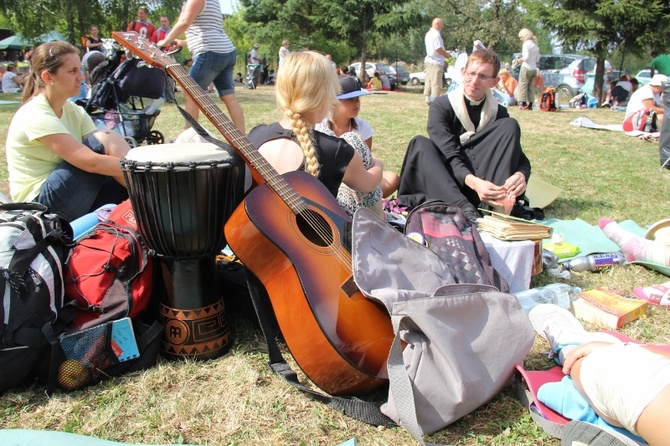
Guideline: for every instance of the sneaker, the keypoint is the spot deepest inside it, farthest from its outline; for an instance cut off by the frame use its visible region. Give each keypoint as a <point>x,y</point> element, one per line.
<point>555,324</point>
<point>580,433</point>
<point>562,330</point>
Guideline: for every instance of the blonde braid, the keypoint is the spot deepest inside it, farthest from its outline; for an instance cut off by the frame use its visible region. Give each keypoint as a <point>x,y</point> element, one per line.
<point>305,139</point>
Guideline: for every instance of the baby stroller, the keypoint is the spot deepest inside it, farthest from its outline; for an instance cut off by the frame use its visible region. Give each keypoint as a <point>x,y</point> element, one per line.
<point>119,89</point>
<point>253,76</point>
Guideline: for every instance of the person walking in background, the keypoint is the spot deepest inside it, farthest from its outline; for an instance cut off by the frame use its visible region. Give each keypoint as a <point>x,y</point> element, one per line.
<point>142,25</point>
<point>435,60</point>
<point>214,55</point>
<point>93,41</point>
<point>530,56</point>
<point>160,34</point>
<point>253,55</point>
<point>283,51</point>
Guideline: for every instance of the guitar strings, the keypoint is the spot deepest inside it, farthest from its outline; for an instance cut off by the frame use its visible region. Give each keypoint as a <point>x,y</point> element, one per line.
<point>275,181</point>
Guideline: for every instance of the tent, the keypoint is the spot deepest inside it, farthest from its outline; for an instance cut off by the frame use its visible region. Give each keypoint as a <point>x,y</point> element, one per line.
<point>18,42</point>
<point>14,42</point>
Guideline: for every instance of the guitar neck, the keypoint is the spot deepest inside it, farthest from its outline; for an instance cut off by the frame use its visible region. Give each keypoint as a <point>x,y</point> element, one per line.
<point>261,170</point>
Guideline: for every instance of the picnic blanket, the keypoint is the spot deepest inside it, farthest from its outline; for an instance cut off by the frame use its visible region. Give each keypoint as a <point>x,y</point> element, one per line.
<point>592,240</point>
<point>588,123</point>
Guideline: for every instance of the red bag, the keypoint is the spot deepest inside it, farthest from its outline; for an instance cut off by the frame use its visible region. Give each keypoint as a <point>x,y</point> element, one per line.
<point>110,271</point>
<point>642,120</point>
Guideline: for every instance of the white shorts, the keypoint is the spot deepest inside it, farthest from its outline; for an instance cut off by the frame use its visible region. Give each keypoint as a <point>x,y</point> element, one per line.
<point>621,381</point>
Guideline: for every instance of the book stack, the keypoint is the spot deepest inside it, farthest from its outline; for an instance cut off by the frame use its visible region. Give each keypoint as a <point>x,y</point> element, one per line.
<point>506,227</point>
<point>608,307</point>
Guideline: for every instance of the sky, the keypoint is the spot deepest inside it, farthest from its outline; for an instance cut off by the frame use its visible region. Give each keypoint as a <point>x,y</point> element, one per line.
<point>228,6</point>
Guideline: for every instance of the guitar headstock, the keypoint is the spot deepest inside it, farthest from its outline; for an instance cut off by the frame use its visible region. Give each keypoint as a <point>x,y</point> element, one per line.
<point>143,49</point>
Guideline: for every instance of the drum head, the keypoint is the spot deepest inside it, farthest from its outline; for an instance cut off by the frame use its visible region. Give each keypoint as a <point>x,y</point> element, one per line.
<point>178,153</point>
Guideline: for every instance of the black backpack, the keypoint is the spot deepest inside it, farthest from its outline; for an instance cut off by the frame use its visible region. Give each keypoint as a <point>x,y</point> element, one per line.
<point>34,246</point>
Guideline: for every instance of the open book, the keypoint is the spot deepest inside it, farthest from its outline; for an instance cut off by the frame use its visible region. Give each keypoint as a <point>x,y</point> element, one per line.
<point>506,227</point>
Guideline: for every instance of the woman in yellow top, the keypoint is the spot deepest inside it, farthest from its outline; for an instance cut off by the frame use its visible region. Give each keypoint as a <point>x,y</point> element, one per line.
<point>375,83</point>
<point>55,155</point>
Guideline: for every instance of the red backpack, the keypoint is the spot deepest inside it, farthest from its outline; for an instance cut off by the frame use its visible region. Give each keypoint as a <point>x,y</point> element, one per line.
<point>110,271</point>
<point>548,100</point>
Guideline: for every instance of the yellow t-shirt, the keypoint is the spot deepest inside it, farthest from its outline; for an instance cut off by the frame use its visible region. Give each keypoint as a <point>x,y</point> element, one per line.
<point>375,84</point>
<point>30,162</point>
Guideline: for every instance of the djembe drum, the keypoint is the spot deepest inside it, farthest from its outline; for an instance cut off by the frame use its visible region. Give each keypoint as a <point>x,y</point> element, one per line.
<point>182,195</point>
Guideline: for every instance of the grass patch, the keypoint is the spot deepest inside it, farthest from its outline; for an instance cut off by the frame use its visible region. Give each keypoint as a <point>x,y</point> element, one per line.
<point>235,400</point>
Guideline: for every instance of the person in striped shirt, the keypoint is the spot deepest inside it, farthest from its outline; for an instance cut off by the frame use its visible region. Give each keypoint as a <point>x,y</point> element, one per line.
<point>213,53</point>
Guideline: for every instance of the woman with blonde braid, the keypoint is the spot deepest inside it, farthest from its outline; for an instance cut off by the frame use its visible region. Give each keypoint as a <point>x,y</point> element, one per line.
<point>306,90</point>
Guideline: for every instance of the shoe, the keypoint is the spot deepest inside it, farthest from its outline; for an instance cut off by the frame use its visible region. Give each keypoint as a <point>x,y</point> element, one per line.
<point>580,433</point>
<point>562,330</point>
<point>472,215</point>
<point>558,327</point>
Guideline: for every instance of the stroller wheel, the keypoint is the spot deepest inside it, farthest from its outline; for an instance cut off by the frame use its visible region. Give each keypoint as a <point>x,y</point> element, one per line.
<point>131,141</point>
<point>155,137</point>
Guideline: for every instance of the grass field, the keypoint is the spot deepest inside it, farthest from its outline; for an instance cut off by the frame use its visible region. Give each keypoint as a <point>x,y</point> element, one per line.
<point>236,400</point>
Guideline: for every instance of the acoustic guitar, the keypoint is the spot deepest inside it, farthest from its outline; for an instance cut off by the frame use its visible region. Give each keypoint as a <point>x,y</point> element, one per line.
<point>293,235</point>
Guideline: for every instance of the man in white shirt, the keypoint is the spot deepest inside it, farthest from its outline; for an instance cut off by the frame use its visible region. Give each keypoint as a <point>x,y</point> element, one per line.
<point>435,57</point>
<point>253,56</point>
<point>644,98</point>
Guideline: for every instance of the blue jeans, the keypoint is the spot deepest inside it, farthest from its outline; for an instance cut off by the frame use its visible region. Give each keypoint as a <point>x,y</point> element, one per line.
<point>72,192</point>
<point>215,67</point>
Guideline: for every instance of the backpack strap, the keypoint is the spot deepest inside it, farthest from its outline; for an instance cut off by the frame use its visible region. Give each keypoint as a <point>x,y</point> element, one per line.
<point>353,407</point>
<point>524,396</point>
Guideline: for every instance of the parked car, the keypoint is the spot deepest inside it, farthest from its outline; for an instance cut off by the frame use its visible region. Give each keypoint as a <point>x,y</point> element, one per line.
<point>643,76</point>
<point>371,67</point>
<point>419,78</point>
<point>566,72</point>
<point>575,76</point>
<point>402,75</point>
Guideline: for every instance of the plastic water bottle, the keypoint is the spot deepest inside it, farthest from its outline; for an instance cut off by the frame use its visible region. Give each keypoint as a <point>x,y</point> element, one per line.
<point>594,262</point>
<point>560,294</point>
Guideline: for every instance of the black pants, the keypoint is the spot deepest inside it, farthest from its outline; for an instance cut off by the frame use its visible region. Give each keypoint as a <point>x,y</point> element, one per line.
<point>493,154</point>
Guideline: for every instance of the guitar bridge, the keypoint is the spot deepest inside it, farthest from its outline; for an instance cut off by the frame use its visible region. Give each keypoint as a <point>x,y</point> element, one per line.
<point>349,287</point>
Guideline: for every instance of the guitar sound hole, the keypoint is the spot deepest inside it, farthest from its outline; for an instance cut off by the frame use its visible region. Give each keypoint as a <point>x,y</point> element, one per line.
<point>315,228</point>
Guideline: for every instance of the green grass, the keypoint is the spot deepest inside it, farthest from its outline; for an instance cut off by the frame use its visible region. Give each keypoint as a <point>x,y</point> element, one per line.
<point>236,400</point>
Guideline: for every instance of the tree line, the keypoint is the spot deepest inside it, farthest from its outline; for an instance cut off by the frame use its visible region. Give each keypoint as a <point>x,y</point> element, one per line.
<point>389,30</point>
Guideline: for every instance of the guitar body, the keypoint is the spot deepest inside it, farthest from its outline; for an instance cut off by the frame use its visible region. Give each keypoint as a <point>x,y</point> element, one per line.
<point>338,337</point>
